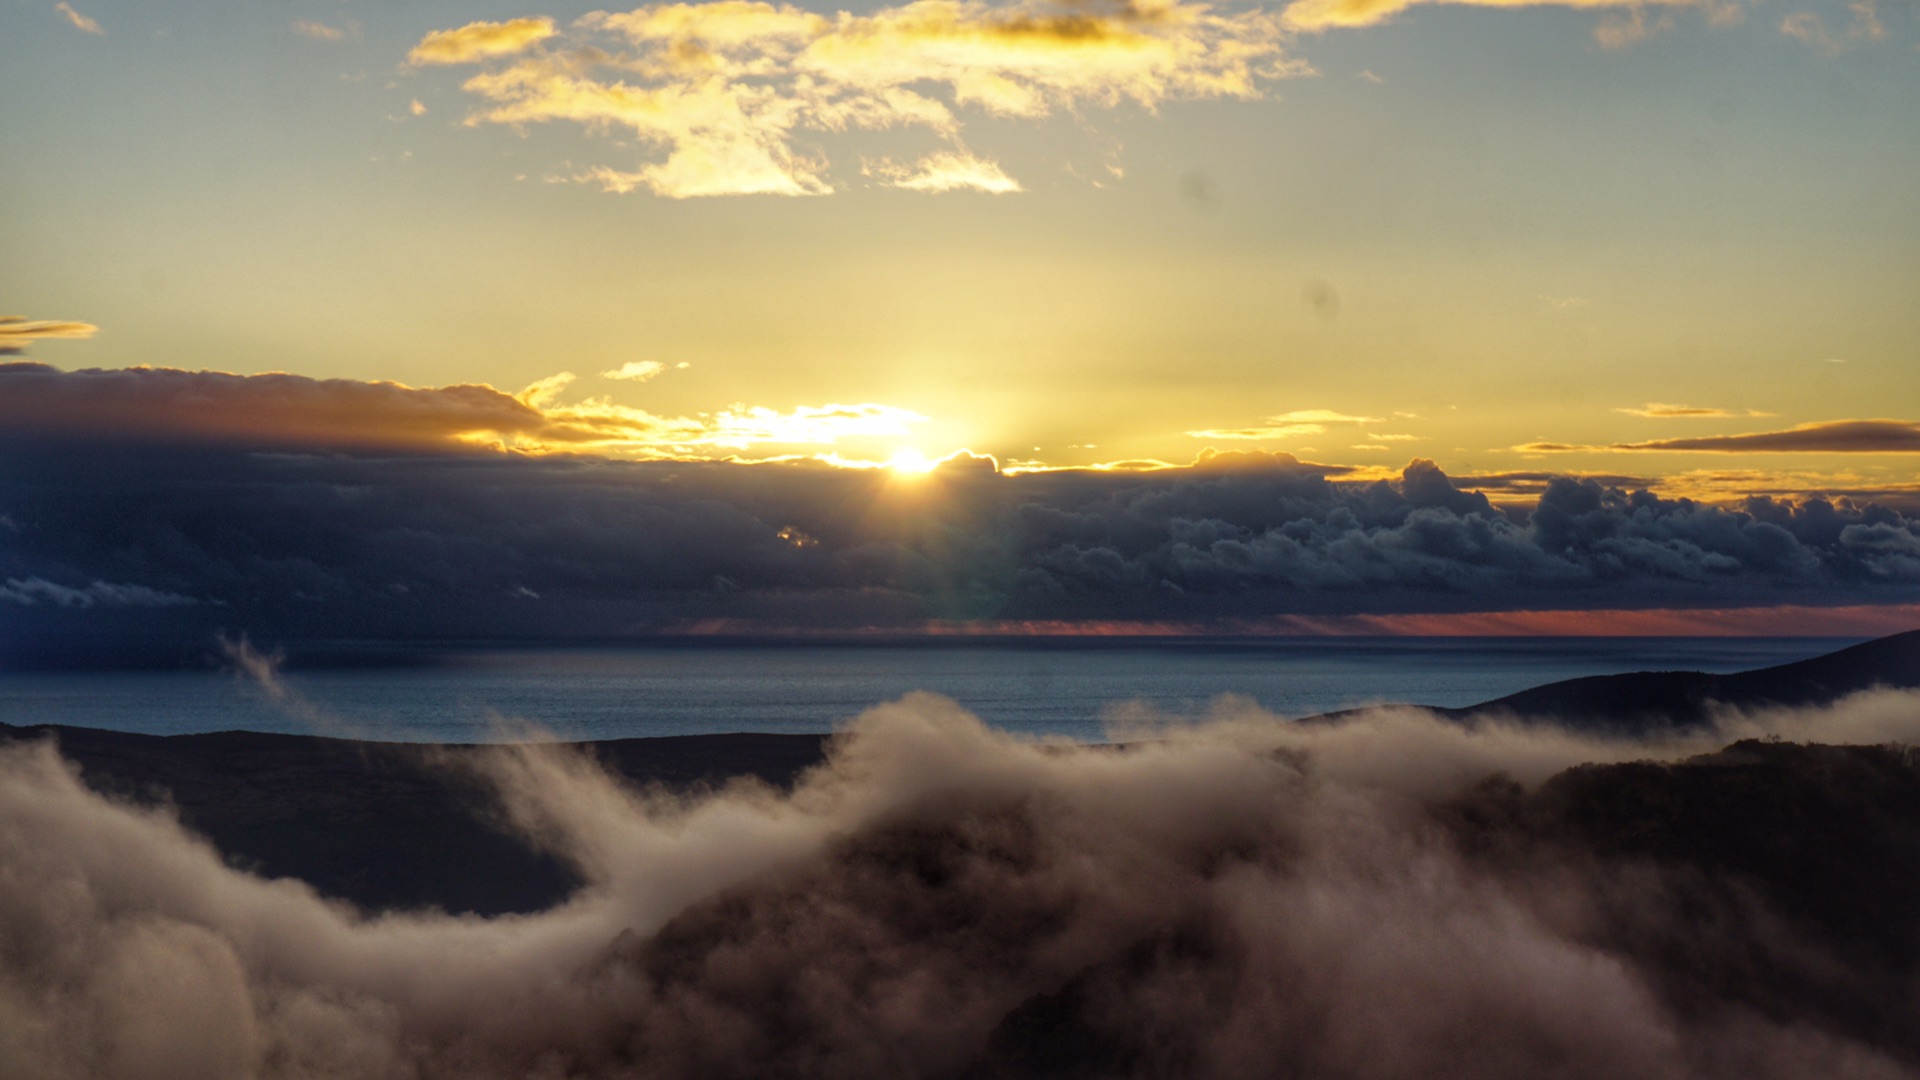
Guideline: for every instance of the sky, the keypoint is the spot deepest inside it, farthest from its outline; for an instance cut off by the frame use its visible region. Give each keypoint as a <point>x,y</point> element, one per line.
<point>1671,247</point>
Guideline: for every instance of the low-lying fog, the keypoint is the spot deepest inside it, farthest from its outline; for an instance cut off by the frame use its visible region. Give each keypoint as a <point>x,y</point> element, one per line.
<point>1241,897</point>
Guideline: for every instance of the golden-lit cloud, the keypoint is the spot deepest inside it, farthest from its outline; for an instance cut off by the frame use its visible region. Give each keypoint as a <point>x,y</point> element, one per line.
<point>481,41</point>
<point>821,425</point>
<point>1329,14</point>
<point>1823,437</point>
<point>1654,410</point>
<point>723,89</point>
<point>947,171</point>
<point>17,332</point>
<point>282,410</point>
<point>78,21</point>
<point>1292,424</point>
<point>1717,485</point>
<point>635,370</point>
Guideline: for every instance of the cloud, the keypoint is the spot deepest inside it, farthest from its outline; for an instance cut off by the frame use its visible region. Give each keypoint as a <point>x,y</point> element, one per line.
<point>1286,425</point>
<point>295,531</point>
<point>725,89</point>
<point>296,412</point>
<point>1823,437</point>
<point>635,370</point>
<point>79,22</point>
<point>31,591</point>
<point>1364,899</point>
<point>17,332</point>
<point>947,172</point>
<point>1828,437</point>
<point>1809,28</point>
<point>480,41</point>
<point>1657,411</point>
<point>320,31</point>
<point>416,107</point>
<point>1329,14</point>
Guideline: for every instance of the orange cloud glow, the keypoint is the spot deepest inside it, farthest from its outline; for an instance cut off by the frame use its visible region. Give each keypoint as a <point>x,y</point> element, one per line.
<point>1860,620</point>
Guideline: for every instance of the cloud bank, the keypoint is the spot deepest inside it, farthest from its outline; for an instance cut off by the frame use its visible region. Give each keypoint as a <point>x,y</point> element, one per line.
<point>295,412</point>
<point>1385,898</point>
<point>727,91</point>
<point>293,538</point>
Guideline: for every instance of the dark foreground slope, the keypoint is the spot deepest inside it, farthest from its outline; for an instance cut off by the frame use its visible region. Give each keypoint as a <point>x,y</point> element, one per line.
<point>1648,700</point>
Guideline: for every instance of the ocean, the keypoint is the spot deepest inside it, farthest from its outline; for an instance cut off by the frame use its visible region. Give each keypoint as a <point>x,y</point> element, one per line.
<point>1045,688</point>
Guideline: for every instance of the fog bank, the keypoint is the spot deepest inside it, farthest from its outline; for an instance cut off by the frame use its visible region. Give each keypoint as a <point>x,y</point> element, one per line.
<point>1231,897</point>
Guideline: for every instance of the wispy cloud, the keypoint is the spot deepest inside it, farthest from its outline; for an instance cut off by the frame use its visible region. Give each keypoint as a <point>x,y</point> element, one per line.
<point>481,41</point>
<point>946,171</point>
<point>723,88</point>
<point>1288,425</point>
<point>635,370</point>
<point>1810,28</point>
<point>79,22</point>
<point>1824,437</point>
<point>1655,410</point>
<point>1328,14</point>
<point>17,332</point>
<point>29,592</point>
<point>320,31</point>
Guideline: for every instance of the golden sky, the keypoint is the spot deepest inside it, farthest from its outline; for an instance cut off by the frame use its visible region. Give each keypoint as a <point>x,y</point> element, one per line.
<point>1677,243</point>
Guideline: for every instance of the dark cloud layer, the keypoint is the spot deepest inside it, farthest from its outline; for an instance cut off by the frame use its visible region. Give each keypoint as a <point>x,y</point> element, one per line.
<point>173,542</point>
<point>1832,437</point>
<point>1389,897</point>
<point>1824,437</point>
<point>272,410</point>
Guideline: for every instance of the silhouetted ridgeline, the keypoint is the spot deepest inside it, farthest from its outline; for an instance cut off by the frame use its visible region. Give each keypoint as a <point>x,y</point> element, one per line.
<point>1650,700</point>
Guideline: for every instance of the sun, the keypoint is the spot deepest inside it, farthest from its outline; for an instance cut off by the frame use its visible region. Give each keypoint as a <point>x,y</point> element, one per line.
<point>907,461</point>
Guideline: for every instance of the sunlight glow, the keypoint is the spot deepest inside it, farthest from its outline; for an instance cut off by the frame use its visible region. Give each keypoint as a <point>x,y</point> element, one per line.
<point>908,461</point>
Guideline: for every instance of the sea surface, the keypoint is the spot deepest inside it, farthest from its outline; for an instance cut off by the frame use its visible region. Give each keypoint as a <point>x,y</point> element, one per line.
<point>1071,689</point>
